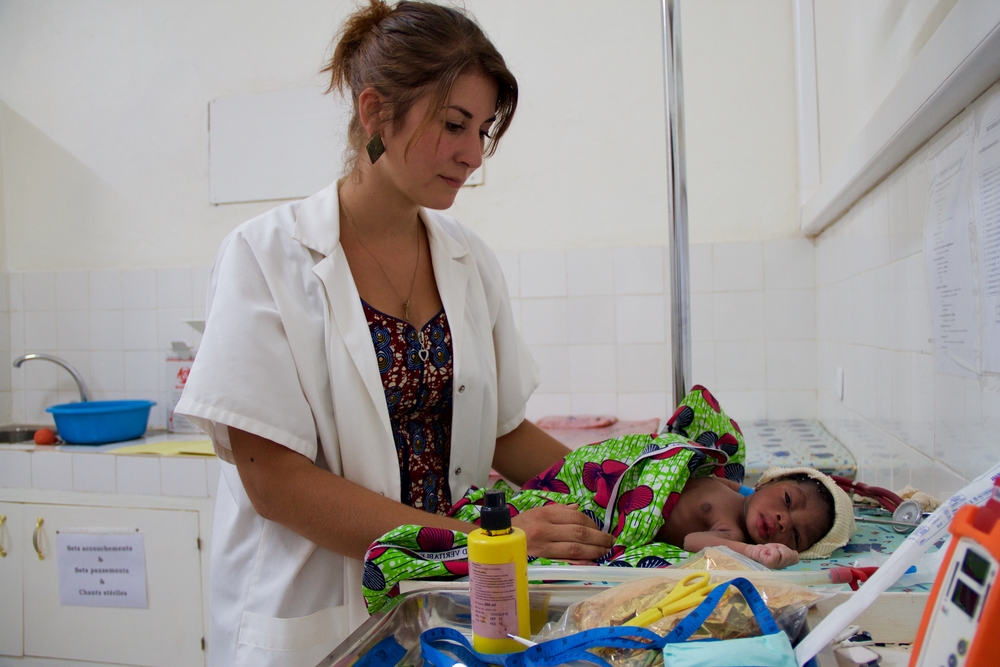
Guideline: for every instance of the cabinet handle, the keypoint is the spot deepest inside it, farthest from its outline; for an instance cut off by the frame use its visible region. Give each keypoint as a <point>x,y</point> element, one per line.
<point>34,538</point>
<point>3,519</point>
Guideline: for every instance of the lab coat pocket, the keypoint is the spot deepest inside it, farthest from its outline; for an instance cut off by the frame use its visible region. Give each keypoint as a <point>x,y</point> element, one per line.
<point>266,641</point>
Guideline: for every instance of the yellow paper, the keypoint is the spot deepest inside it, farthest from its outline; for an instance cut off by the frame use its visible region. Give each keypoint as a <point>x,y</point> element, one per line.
<point>171,448</point>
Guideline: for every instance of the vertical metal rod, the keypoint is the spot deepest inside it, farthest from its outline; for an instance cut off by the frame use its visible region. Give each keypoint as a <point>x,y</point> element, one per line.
<point>680,291</point>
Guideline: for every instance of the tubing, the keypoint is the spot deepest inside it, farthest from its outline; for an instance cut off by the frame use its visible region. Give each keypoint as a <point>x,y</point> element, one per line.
<point>622,574</point>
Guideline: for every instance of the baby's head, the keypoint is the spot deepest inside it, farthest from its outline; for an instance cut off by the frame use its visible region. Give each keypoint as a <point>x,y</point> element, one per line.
<point>801,508</point>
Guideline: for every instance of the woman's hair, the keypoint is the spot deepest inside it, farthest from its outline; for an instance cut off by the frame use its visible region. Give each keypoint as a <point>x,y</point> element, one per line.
<point>409,50</point>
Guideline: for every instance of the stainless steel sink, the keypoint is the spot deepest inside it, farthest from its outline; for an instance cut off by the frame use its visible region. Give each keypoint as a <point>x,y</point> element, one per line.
<point>12,433</point>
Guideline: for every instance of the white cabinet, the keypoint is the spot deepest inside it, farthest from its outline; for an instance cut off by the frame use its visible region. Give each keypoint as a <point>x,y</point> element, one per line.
<point>168,633</point>
<point>11,616</point>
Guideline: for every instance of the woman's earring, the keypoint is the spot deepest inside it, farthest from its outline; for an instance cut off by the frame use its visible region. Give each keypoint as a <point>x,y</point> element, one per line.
<point>375,148</point>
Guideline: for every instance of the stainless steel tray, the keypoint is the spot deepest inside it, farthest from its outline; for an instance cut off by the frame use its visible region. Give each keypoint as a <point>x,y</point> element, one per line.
<point>445,607</point>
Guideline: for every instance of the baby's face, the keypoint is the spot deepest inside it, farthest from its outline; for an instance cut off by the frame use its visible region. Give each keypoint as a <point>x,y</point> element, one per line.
<point>788,513</point>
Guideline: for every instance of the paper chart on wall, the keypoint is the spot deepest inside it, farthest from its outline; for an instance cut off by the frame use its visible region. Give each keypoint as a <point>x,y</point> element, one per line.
<point>949,253</point>
<point>986,208</point>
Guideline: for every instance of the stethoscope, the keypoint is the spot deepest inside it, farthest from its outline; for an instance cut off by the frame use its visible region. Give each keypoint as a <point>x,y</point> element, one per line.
<point>906,514</point>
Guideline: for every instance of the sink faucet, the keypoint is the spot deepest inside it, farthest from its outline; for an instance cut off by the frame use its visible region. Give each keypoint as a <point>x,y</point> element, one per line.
<point>84,394</point>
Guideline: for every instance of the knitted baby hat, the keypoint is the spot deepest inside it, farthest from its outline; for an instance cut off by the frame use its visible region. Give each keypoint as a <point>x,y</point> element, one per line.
<point>843,525</point>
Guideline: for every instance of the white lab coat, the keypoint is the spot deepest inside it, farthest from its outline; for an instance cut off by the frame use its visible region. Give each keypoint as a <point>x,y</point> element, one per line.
<point>287,355</point>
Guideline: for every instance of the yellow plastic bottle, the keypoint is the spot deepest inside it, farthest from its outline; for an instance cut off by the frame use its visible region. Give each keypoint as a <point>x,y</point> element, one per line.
<point>498,579</point>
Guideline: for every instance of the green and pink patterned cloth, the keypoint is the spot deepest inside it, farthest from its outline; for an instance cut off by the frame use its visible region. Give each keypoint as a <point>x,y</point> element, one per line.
<point>627,485</point>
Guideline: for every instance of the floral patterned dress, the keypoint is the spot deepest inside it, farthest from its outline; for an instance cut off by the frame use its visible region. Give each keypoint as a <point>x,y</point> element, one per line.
<point>416,371</point>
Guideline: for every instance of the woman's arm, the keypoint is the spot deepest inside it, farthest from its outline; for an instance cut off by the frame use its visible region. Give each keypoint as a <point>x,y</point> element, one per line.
<point>339,515</point>
<point>554,531</point>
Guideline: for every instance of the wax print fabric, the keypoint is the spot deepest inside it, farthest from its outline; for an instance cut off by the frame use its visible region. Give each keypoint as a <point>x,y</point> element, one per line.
<point>627,485</point>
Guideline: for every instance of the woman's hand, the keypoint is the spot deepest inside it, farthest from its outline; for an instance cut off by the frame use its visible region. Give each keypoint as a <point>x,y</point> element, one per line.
<point>562,532</point>
<point>774,556</point>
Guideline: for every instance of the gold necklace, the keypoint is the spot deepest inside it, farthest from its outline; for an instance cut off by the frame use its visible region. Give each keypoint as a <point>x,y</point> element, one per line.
<point>413,279</point>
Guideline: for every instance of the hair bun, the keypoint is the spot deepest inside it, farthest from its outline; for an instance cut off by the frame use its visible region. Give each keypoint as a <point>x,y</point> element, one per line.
<point>356,27</point>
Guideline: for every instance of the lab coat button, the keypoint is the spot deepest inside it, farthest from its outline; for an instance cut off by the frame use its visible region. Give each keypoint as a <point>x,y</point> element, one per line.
<point>458,471</point>
<point>461,388</point>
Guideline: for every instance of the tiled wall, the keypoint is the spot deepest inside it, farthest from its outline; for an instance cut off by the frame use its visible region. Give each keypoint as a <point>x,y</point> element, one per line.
<point>597,322</point>
<point>114,327</point>
<point>904,423</point>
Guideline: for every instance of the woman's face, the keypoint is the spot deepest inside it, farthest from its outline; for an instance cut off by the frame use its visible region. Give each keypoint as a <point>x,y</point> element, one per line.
<point>786,512</point>
<point>448,150</point>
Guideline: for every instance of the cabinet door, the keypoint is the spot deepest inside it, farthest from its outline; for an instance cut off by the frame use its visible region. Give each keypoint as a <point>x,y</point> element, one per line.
<point>11,614</point>
<point>168,633</point>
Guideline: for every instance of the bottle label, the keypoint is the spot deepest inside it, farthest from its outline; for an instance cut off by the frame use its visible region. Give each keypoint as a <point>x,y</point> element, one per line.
<point>493,593</point>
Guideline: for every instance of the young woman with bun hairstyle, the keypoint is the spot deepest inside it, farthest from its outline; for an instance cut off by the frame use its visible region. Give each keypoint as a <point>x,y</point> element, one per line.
<point>360,367</point>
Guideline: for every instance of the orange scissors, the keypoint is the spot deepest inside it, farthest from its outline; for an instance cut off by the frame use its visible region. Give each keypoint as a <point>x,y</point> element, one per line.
<point>689,592</point>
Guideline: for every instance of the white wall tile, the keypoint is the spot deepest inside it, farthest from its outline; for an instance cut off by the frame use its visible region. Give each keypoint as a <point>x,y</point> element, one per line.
<point>78,359</point>
<point>543,273</point>
<point>640,319</point>
<point>52,471</point>
<point>638,270</point>
<point>544,321</point>
<point>73,330</point>
<point>39,374</point>
<point>545,405</point>
<point>94,472</point>
<point>594,403</point>
<point>917,194</point>
<point>740,366</point>
<point>138,475</point>
<point>40,330</point>
<point>949,422</point>
<point>642,369</point>
<point>143,372</point>
<point>946,481</point>
<point>15,291</point>
<point>15,470</point>
<point>17,331</point>
<point>737,266</point>
<point>743,406</point>
<point>700,267</point>
<point>702,364</point>
<point>183,476</point>
<point>791,365</point>
<point>139,288</point>
<point>592,369</point>
<point>702,316</point>
<point>553,363</point>
<point>789,264</point>
<point>40,291</point>
<point>105,289</point>
<point>906,231</point>
<point>173,289</point>
<point>106,330</point>
<point>139,330</point>
<point>739,315</point>
<point>107,371</point>
<point>72,290</point>
<point>199,290</point>
<point>635,407</point>
<point>790,314</point>
<point>170,327</point>
<point>4,331</point>
<point>591,320</point>
<point>783,405</point>
<point>510,266</point>
<point>5,292</point>
<point>590,272</point>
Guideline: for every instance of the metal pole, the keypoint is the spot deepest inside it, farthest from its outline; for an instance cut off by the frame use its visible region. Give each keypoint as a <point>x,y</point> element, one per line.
<point>680,291</point>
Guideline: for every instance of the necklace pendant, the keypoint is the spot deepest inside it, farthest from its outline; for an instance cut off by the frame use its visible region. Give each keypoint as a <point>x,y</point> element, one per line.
<point>406,310</point>
<point>424,353</point>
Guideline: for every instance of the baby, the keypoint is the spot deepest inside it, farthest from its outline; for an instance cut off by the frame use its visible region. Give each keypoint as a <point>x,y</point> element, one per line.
<point>793,512</point>
<point>661,496</point>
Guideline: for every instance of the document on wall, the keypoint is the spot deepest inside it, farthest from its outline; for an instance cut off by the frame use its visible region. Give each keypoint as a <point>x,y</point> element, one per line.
<point>101,569</point>
<point>986,208</point>
<point>949,253</point>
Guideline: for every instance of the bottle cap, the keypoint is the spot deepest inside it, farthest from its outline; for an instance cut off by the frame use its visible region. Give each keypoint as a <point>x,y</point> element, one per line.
<point>494,516</point>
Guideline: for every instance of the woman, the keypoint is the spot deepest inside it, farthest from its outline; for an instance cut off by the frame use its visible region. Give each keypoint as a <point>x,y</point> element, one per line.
<point>360,366</point>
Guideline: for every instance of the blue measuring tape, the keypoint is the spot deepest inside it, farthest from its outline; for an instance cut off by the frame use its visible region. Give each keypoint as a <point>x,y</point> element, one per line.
<point>447,647</point>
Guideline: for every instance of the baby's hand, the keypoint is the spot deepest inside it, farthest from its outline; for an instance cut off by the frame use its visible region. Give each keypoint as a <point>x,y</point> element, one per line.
<point>774,556</point>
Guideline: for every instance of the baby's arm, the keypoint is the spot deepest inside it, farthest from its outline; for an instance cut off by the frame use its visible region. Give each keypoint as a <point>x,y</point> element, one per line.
<point>774,556</point>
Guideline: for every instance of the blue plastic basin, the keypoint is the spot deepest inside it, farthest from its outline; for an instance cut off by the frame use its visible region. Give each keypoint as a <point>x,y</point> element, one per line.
<point>100,422</point>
